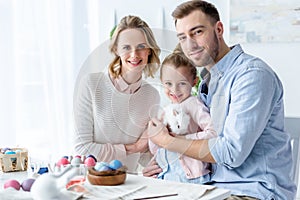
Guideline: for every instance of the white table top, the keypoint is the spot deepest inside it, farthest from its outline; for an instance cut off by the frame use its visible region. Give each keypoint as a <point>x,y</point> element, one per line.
<point>135,186</point>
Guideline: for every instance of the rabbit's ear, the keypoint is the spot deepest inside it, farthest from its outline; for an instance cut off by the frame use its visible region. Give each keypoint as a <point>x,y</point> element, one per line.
<point>175,112</point>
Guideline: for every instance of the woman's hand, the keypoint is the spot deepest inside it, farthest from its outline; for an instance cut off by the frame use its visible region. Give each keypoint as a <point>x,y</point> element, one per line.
<point>141,145</point>
<point>152,169</point>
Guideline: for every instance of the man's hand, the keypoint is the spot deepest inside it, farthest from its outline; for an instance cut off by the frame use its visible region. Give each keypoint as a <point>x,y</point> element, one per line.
<point>158,133</point>
<point>160,136</point>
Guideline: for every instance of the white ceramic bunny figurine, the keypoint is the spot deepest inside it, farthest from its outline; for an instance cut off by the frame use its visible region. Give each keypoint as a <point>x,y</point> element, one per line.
<point>50,186</point>
<point>176,119</point>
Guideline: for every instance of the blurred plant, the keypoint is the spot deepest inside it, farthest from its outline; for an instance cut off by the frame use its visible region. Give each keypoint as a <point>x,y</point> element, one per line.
<point>196,87</point>
<point>112,32</point>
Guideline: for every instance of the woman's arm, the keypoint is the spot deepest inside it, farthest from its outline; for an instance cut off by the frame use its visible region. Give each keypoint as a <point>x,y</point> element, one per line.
<point>141,145</point>
<point>84,143</point>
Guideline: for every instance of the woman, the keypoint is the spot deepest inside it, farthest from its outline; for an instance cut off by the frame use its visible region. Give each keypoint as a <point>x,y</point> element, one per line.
<point>112,109</point>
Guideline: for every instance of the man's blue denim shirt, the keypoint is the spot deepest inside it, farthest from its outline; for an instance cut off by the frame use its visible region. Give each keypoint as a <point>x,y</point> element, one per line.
<point>252,151</point>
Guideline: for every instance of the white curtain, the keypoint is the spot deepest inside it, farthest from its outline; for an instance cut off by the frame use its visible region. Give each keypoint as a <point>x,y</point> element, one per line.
<point>43,44</point>
<point>39,63</point>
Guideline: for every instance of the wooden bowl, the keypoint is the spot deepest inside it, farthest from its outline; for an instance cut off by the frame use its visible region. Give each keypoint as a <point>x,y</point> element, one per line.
<point>111,177</point>
<point>92,171</point>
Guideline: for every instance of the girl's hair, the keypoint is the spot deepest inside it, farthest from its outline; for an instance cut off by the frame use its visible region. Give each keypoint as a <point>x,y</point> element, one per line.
<point>178,59</point>
<point>134,22</point>
<point>186,8</point>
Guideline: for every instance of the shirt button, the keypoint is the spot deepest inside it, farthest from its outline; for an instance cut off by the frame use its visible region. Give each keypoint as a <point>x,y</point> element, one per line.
<point>188,174</point>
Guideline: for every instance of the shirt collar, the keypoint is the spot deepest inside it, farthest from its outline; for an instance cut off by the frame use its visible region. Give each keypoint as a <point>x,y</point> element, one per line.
<point>227,61</point>
<point>122,86</point>
<point>217,72</point>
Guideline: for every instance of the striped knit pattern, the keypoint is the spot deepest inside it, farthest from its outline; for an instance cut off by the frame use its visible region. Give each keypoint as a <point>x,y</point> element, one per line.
<point>106,119</point>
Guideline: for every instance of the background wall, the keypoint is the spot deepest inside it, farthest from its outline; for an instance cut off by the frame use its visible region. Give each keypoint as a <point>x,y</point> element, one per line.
<point>282,57</point>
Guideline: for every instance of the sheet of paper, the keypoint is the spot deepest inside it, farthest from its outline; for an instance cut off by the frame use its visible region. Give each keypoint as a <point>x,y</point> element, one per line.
<point>139,188</point>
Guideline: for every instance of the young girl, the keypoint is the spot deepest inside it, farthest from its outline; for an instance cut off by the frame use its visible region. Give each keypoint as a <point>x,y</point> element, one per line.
<point>178,76</point>
<point>112,108</point>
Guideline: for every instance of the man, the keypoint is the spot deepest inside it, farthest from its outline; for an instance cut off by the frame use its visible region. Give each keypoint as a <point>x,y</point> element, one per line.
<point>252,154</point>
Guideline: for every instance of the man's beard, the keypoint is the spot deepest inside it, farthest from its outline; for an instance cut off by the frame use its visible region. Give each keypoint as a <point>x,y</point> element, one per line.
<point>209,57</point>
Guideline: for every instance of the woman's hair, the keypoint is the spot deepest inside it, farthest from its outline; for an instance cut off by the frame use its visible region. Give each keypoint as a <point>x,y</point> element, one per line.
<point>134,22</point>
<point>178,59</point>
<point>186,8</point>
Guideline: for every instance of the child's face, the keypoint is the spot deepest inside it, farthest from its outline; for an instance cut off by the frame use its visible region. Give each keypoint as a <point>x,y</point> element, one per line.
<point>177,83</point>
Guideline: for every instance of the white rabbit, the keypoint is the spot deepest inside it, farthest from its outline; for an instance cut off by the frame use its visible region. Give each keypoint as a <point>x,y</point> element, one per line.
<point>51,186</point>
<point>176,119</point>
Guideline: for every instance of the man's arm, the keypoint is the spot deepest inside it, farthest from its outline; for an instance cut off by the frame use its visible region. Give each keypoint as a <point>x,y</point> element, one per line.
<point>197,149</point>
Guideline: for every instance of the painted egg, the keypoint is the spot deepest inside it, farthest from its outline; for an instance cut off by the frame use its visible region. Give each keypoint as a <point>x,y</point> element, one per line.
<point>104,168</point>
<point>26,185</point>
<point>12,183</point>
<point>91,156</point>
<point>76,161</point>
<point>5,149</point>
<point>10,152</point>
<point>100,166</point>
<point>62,162</point>
<point>115,164</point>
<point>90,162</point>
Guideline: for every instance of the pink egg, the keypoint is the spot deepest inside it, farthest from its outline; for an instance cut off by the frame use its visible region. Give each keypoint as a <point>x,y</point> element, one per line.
<point>12,183</point>
<point>26,185</point>
<point>90,162</point>
<point>92,157</point>
<point>62,162</point>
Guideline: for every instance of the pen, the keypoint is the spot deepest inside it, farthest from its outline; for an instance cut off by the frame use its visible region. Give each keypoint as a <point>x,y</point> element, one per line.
<point>154,197</point>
